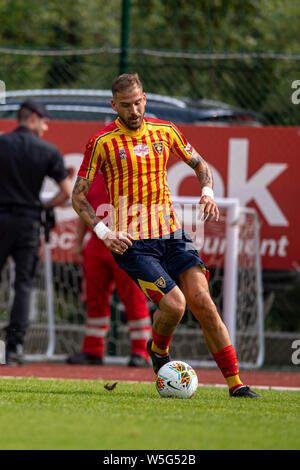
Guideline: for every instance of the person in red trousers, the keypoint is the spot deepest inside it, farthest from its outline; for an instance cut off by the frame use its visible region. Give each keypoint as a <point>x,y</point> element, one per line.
<point>100,275</point>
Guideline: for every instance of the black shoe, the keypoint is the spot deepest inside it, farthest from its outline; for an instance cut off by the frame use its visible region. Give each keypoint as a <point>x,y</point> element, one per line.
<point>244,392</point>
<point>136,360</point>
<point>85,359</point>
<point>14,356</point>
<point>157,362</point>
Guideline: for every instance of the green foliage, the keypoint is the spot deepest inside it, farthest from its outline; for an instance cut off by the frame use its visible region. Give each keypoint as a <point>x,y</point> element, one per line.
<point>216,25</point>
<point>206,26</point>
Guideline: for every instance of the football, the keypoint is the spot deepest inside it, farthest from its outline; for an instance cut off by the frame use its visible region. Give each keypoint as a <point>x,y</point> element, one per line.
<point>176,379</point>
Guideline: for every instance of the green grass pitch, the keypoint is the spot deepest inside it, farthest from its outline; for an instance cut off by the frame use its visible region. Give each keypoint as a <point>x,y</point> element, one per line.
<point>79,414</point>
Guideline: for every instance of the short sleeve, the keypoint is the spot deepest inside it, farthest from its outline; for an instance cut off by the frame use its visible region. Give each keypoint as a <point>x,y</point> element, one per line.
<point>92,159</point>
<point>180,145</point>
<point>56,169</point>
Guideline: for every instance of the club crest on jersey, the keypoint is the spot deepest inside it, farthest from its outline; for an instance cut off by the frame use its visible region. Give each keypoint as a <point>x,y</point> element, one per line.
<point>122,153</point>
<point>160,282</point>
<point>158,147</point>
<point>141,150</point>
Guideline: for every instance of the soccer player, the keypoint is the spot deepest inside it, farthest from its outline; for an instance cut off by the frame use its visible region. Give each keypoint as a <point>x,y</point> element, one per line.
<point>144,232</point>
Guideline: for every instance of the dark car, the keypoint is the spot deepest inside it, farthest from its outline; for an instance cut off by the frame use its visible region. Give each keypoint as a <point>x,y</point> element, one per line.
<point>87,105</point>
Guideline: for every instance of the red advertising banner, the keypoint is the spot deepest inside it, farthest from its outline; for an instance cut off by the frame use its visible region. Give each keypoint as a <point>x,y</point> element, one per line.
<point>259,166</point>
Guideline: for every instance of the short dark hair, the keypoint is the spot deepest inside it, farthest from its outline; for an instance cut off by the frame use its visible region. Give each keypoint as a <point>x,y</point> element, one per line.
<point>24,114</point>
<point>125,81</point>
<point>29,107</point>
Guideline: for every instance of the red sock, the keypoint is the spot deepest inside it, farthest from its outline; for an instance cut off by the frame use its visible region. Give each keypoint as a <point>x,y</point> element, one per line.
<point>228,364</point>
<point>160,344</point>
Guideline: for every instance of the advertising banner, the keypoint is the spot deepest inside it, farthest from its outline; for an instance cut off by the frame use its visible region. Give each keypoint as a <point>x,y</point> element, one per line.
<point>258,165</point>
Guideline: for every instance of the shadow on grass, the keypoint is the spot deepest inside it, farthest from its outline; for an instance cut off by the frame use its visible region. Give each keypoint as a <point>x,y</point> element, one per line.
<point>100,389</point>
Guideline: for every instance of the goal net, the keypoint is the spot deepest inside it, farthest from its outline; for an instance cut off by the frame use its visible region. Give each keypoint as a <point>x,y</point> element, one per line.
<point>230,248</point>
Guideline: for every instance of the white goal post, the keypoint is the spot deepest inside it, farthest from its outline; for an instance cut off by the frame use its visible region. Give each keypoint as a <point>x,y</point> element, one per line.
<point>232,254</point>
<point>230,259</point>
<point>241,246</point>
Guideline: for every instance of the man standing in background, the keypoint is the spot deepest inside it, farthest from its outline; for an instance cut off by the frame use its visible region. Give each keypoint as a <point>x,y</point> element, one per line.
<point>25,160</point>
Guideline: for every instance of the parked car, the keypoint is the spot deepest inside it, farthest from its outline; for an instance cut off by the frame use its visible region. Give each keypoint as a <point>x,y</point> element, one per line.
<point>78,104</point>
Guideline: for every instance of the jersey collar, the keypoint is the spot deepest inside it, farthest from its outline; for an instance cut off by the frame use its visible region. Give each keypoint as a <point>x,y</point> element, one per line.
<point>131,132</point>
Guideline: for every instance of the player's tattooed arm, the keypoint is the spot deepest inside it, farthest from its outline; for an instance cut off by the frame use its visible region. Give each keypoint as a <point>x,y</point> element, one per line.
<point>205,178</point>
<point>80,203</point>
<point>201,169</point>
<point>118,242</point>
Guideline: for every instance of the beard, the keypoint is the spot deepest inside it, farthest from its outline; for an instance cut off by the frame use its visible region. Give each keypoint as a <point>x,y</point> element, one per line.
<point>133,124</point>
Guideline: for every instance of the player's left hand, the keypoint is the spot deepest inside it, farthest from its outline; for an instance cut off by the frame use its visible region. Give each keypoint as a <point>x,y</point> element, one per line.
<point>210,209</point>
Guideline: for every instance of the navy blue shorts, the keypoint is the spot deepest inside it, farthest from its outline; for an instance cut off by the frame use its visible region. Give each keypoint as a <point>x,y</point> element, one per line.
<point>155,264</point>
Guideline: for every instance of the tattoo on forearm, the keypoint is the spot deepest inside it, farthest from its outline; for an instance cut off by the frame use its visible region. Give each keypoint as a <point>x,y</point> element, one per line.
<point>202,170</point>
<point>81,186</point>
<point>84,206</point>
<point>81,204</point>
<point>204,178</point>
<point>194,161</point>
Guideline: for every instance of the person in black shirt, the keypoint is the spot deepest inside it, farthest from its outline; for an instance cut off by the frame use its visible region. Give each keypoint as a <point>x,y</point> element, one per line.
<point>25,160</point>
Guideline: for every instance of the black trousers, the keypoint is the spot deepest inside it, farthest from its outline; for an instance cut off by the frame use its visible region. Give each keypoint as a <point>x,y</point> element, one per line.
<point>20,239</point>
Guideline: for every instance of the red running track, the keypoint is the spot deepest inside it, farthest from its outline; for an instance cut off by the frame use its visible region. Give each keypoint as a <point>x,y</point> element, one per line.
<point>144,374</point>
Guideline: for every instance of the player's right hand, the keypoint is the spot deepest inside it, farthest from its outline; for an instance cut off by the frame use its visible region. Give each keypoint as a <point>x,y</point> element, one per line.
<point>118,242</point>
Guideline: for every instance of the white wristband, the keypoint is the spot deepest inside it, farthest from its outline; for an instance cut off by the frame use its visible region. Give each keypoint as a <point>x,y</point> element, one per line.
<point>101,230</point>
<point>207,191</point>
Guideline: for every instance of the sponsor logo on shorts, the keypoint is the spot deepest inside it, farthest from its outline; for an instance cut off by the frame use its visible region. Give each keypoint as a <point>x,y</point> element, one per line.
<point>141,150</point>
<point>160,282</point>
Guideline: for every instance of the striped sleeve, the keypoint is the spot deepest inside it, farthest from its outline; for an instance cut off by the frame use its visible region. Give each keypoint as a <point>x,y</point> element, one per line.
<point>180,145</point>
<point>92,160</point>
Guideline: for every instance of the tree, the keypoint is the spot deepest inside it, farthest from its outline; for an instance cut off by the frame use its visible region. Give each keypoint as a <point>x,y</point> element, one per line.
<point>194,26</point>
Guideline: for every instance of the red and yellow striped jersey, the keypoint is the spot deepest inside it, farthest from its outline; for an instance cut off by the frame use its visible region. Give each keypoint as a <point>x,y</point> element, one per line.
<point>134,166</point>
